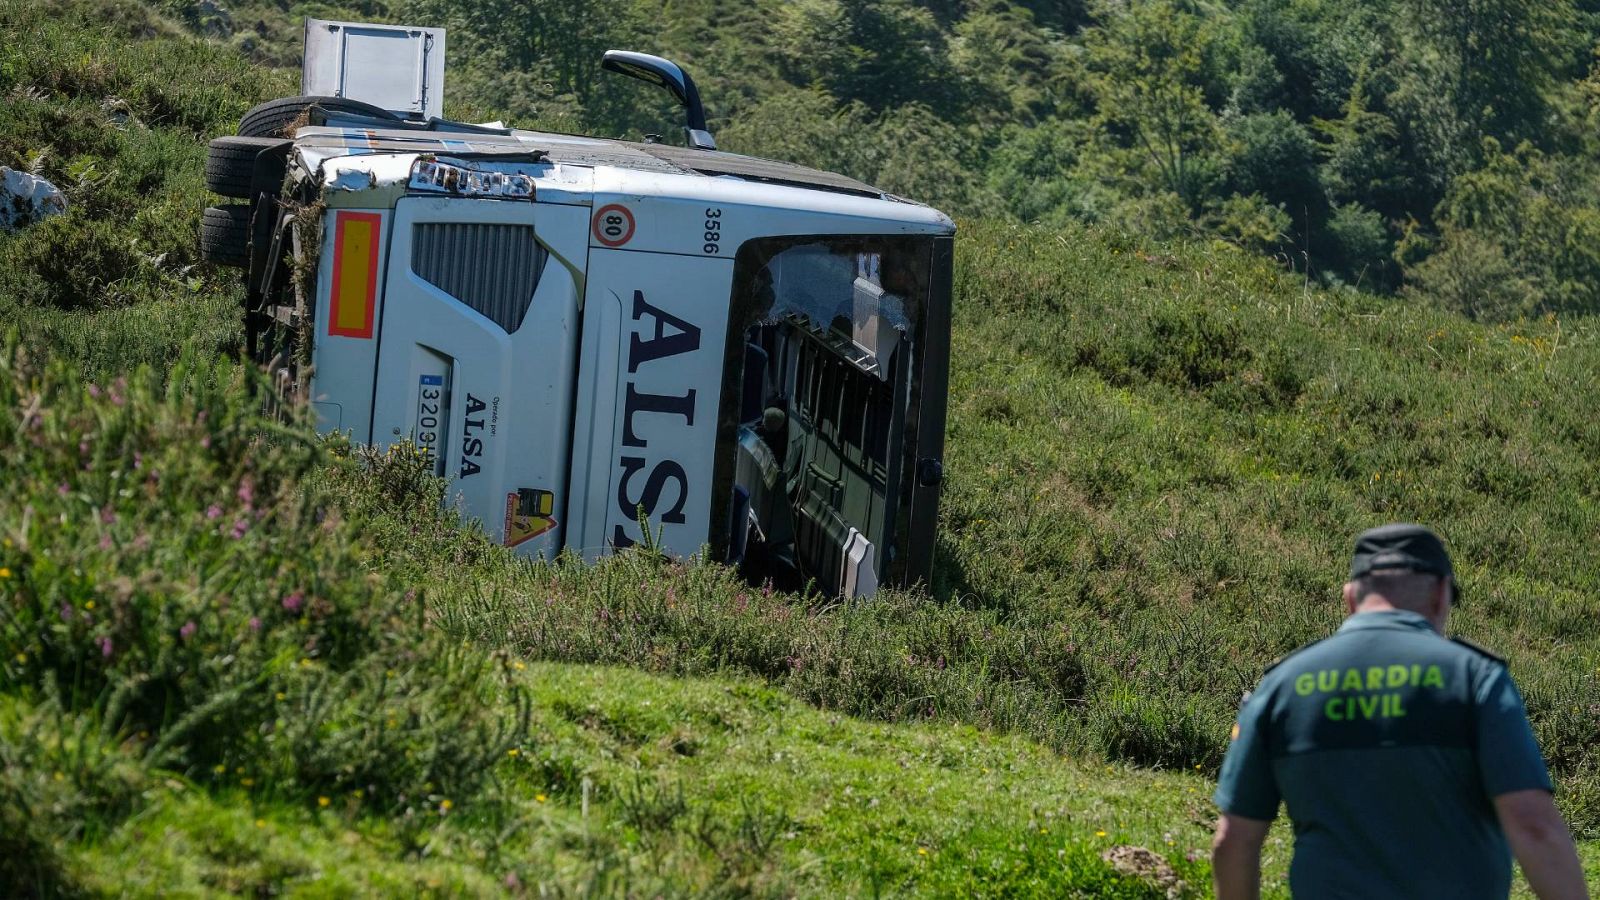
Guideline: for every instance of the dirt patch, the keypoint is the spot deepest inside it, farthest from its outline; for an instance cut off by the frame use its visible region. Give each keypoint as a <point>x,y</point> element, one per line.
<point>1146,865</point>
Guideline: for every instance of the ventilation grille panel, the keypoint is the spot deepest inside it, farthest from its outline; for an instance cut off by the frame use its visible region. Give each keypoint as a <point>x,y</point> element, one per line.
<point>491,268</point>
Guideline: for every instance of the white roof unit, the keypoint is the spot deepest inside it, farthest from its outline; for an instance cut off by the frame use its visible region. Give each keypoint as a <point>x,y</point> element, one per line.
<point>394,67</point>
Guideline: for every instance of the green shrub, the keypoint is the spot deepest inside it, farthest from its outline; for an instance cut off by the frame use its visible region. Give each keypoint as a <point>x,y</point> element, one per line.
<point>1361,244</point>
<point>1472,276</point>
<point>166,578</point>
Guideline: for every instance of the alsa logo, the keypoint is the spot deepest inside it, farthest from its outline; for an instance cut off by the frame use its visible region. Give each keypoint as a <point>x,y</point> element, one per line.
<point>472,438</point>
<point>649,343</point>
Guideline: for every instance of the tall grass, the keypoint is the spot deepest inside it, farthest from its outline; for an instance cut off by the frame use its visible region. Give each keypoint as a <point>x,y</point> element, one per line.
<point>1157,458</point>
<point>172,599</point>
<point>1158,461</point>
<point>114,105</point>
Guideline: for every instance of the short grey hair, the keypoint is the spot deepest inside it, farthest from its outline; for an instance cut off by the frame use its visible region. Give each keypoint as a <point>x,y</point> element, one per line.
<point>1402,587</point>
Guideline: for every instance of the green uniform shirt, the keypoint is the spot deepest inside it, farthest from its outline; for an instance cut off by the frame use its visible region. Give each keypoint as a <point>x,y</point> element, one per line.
<point>1386,742</point>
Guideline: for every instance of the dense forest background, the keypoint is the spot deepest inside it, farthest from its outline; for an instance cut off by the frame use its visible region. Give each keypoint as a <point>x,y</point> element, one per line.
<point>1445,149</point>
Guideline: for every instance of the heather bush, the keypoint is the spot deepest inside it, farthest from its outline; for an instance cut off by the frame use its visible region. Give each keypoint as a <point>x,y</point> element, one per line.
<point>165,578</point>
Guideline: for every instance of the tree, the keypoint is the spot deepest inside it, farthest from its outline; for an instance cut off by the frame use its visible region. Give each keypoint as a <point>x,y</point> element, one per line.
<point>1469,69</point>
<point>1149,62</point>
<point>1012,65</point>
<point>554,44</point>
<point>883,53</point>
<point>1521,234</point>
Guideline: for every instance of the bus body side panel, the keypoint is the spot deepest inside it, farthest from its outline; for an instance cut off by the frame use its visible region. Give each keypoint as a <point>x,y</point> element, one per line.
<point>348,305</point>
<point>489,399</point>
<point>649,391</point>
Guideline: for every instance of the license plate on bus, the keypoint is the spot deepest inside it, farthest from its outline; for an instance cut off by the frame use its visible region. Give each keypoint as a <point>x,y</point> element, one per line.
<point>430,418</point>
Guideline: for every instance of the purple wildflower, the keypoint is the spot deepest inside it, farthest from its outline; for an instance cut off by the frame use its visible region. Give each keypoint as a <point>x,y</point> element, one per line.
<point>213,511</point>
<point>255,623</point>
<point>105,648</point>
<point>107,515</point>
<point>188,630</point>
<point>205,442</point>
<point>247,492</point>
<point>105,542</point>
<point>293,602</point>
<point>94,391</point>
<point>63,488</point>
<point>240,526</point>
<point>66,612</point>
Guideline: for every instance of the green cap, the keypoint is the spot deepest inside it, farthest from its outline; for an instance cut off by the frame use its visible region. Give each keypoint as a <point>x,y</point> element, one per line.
<point>1401,545</point>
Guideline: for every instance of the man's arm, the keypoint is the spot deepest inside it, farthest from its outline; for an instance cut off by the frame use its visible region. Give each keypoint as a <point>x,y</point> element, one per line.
<point>1542,844</point>
<point>1236,857</point>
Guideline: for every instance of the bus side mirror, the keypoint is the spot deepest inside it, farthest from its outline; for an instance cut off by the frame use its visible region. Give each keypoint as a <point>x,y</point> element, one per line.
<point>664,73</point>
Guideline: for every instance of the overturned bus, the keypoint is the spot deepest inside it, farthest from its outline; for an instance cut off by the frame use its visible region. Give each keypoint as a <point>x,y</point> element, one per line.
<point>590,337</point>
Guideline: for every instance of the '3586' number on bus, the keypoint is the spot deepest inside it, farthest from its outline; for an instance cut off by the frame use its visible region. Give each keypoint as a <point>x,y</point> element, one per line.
<point>713,233</point>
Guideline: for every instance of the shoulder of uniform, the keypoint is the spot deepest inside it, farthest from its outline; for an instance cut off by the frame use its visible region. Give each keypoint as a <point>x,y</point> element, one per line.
<point>1477,649</point>
<point>1291,654</point>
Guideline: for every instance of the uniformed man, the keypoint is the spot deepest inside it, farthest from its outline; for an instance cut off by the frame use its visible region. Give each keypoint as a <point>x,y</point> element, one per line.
<point>1405,759</point>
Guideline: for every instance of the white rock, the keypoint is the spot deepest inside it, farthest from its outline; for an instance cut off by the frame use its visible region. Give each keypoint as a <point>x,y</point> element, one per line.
<point>27,199</point>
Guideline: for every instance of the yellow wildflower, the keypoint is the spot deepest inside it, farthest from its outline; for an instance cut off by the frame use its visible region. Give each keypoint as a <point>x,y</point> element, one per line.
<point>323,801</point>
<point>922,851</point>
<point>1099,834</point>
<point>5,572</point>
<point>261,823</point>
<point>513,752</point>
<point>519,666</point>
<point>540,798</point>
<point>89,605</point>
<point>445,804</point>
<point>219,768</point>
<point>22,659</point>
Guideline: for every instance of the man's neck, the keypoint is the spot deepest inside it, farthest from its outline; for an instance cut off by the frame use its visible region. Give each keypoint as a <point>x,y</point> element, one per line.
<point>1379,603</point>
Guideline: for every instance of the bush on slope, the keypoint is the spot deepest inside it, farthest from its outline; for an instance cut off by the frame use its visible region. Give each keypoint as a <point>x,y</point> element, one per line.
<point>172,600</point>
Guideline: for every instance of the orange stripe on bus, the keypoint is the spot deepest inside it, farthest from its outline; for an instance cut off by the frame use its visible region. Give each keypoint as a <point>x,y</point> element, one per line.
<point>355,274</point>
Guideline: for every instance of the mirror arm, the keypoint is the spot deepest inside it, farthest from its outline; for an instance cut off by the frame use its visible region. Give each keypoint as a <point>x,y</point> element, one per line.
<point>666,74</point>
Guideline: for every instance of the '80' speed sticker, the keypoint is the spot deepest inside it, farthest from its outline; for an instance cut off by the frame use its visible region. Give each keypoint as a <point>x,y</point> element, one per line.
<point>613,225</point>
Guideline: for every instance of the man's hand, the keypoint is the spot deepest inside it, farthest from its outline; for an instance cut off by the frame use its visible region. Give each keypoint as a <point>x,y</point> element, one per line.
<point>1542,844</point>
<point>1236,857</point>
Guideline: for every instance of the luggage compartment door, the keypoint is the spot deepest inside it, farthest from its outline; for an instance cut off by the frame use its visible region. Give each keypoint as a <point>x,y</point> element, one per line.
<point>477,356</point>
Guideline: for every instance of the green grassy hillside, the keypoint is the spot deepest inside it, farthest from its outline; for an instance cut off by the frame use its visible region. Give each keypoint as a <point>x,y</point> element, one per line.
<point>236,657</point>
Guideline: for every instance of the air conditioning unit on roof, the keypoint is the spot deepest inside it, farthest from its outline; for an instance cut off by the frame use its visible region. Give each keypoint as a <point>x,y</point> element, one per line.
<point>393,67</point>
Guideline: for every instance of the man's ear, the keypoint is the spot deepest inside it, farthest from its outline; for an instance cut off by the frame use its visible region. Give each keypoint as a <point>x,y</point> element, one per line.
<point>1349,598</point>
